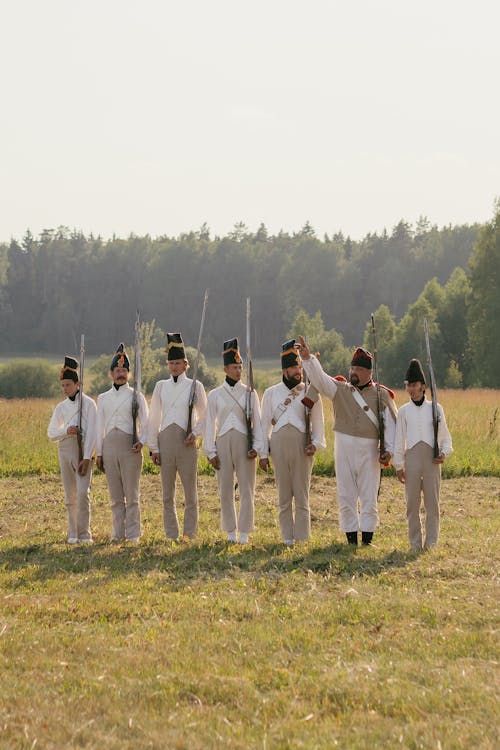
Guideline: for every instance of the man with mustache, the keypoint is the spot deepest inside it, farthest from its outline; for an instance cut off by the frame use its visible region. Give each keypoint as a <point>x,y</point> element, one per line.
<point>291,445</point>
<point>116,455</point>
<point>357,455</point>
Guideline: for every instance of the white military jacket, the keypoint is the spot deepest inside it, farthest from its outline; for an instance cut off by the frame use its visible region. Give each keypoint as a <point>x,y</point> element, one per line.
<point>226,411</point>
<point>170,405</point>
<point>276,413</point>
<point>66,415</point>
<point>114,411</point>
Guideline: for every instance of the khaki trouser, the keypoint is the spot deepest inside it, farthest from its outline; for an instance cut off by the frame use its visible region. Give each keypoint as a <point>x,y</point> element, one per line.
<point>232,450</point>
<point>292,468</point>
<point>76,490</point>
<point>123,473</point>
<point>422,475</point>
<point>177,457</point>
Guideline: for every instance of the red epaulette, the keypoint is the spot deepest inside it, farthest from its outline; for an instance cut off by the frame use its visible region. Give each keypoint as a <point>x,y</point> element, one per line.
<point>340,378</point>
<point>389,391</point>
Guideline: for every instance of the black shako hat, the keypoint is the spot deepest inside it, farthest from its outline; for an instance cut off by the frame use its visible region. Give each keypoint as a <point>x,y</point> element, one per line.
<point>415,373</point>
<point>120,359</point>
<point>231,352</point>
<point>69,370</point>
<point>175,346</point>
<point>289,355</point>
<point>362,358</point>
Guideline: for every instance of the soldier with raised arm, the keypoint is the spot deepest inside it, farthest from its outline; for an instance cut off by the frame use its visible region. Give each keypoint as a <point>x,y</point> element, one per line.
<point>357,457</point>
<point>63,428</point>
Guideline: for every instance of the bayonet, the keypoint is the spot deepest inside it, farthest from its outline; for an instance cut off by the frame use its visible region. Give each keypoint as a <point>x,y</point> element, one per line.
<point>250,386</point>
<point>435,412</point>
<point>192,393</point>
<point>79,435</point>
<point>137,377</point>
<point>380,411</point>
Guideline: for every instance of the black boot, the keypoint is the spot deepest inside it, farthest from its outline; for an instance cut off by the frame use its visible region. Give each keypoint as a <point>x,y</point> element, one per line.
<point>366,537</point>
<point>352,537</point>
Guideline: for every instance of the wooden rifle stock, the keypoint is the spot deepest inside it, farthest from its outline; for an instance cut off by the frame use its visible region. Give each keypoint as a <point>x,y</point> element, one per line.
<point>435,412</point>
<point>192,393</point>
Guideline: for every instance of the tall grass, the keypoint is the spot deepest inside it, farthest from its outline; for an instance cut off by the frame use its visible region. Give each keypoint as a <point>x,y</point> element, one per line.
<point>473,417</point>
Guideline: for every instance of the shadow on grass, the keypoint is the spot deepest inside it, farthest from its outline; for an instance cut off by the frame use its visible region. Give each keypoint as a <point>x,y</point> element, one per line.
<point>181,564</point>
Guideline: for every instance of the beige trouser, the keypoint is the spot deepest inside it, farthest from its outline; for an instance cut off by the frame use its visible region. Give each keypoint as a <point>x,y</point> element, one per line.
<point>292,468</point>
<point>177,457</point>
<point>76,490</point>
<point>123,473</point>
<point>422,475</point>
<point>232,449</point>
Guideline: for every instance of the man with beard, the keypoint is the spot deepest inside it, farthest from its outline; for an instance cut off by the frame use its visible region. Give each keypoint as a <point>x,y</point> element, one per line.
<point>117,455</point>
<point>226,447</point>
<point>63,428</point>
<point>294,435</point>
<point>357,455</point>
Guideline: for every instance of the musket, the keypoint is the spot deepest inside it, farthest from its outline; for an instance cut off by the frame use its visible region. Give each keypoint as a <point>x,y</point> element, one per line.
<point>137,378</point>
<point>435,412</point>
<point>250,387</point>
<point>192,393</point>
<point>79,434</point>
<point>307,411</point>
<point>380,411</point>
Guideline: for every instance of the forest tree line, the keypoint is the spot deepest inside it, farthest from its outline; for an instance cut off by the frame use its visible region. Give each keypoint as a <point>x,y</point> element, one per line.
<point>63,283</point>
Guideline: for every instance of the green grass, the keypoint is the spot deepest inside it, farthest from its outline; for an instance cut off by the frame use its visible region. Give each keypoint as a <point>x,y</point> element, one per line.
<point>209,645</point>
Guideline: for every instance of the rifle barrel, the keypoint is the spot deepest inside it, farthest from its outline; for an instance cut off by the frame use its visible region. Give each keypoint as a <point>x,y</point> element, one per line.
<point>248,398</point>
<point>80,405</point>
<point>435,411</point>
<point>380,413</point>
<point>192,393</point>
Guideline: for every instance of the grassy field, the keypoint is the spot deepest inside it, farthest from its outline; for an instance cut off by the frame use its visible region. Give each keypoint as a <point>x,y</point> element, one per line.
<point>209,645</point>
<point>473,418</point>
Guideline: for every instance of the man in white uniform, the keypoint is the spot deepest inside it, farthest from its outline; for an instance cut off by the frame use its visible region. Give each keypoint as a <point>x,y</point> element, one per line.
<point>171,447</point>
<point>357,454</point>
<point>414,459</point>
<point>226,445</point>
<point>295,434</point>
<point>117,455</point>
<point>76,475</point>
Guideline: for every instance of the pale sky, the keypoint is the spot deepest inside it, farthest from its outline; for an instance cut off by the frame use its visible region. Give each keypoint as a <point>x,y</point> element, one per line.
<point>156,116</point>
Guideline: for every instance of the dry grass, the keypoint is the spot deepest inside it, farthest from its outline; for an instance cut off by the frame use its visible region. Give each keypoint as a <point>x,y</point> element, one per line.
<point>209,645</point>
